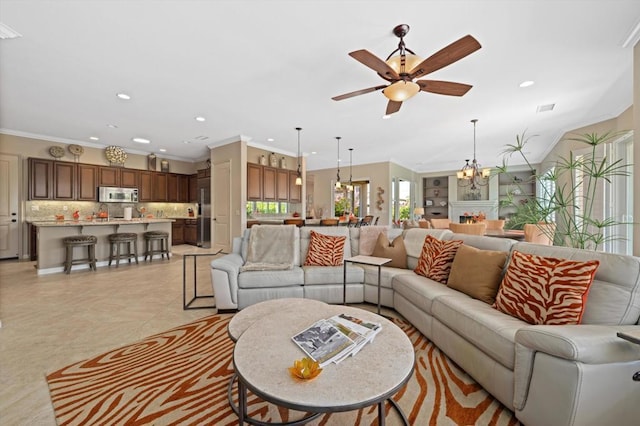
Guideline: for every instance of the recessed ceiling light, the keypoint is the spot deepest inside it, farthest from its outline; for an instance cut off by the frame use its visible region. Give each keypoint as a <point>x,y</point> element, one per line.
<point>163,150</point>
<point>314,152</point>
<point>270,139</point>
<point>94,138</point>
<point>186,142</point>
<point>527,83</point>
<point>112,126</point>
<point>386,116</point>
<point>141,140</point>
<point>123,96</point>
<point>200,118</point>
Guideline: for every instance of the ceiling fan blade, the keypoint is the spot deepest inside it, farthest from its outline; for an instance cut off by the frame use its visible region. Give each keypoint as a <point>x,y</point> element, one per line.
<point>444,87</point>
<point>446,56</point>
<point>358,92</point>
<point>393,107</point>
<point>378,65</point>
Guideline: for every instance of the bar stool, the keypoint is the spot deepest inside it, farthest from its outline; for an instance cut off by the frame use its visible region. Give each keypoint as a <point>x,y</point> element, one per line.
<point>151,237</point>
<point>117,240</point>
<point>88,241</point>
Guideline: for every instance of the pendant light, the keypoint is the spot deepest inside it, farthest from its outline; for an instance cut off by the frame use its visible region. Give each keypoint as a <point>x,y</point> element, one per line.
<point>338,184</point>
<point>299,173</point>
<point>471,174</point>
<point>350,185</point>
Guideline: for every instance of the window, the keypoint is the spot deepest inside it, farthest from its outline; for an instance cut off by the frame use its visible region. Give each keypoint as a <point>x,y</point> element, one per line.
<point>266,207</point>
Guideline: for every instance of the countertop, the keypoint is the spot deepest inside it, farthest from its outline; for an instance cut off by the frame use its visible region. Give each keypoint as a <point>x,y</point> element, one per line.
<point>97,222</point>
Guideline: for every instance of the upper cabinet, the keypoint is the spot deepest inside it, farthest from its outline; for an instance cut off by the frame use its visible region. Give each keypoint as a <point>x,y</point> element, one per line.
<point>40,179</point>
<point>269,184</point>
<point>160,186</point>
<point>145,190</point>
<point>265,183</point>
<point>129,178</point>
<point>282,185</point>
<point>87,182</point>
<point>108,176</point>
<point>254,182</point>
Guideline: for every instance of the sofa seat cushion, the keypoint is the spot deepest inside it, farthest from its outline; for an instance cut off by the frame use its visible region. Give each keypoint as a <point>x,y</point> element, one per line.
<point>269,279</point>
<point>485,327</point>
<point>421,291</point>
<point>386,275</point>
<point>314,275</point>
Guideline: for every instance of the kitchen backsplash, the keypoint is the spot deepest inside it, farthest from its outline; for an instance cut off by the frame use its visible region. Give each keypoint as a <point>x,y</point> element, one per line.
<point>47,210</point>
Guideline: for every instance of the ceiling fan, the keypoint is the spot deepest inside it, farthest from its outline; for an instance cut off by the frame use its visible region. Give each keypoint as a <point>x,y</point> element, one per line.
<point>402,69</point>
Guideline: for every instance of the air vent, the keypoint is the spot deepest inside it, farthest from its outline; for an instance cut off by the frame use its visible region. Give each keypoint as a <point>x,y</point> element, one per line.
<point>201,138</point>
<point>7,32</point>
<point>544,108</point>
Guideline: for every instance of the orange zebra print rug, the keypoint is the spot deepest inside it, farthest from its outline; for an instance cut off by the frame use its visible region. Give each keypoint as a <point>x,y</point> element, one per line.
<point>180,377</point>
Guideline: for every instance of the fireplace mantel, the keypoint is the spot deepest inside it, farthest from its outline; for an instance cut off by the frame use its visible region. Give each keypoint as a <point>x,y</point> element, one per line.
<point>459,208</point>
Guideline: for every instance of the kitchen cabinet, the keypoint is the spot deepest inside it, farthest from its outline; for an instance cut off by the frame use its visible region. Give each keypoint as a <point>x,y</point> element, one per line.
<point>191,231</point>
<point>282,184</point>
<point>193,188</point>
<point>254,182</point>
<point>87,182</point>
<point>295,191</point>
<point>109,176</point>
<point>204,173</point>
<point>145,190</point>
<point>40,179</point>
<point>129,178</point>
<point>269,183</point>
<point>160,185</point>
<point>177,231</point>
<point>183,189</point>
<point>64,181</point>
<point>172,187</point>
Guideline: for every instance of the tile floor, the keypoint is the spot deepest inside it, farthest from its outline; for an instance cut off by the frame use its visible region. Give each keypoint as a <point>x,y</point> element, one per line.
<point>51,321</point>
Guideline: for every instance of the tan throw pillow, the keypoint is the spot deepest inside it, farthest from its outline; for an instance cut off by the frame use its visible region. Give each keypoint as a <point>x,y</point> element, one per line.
<point>436,258</point>
<point>325,250</point>
<point>394,250</point>
<point>477,273</point>
<point>545,290</point>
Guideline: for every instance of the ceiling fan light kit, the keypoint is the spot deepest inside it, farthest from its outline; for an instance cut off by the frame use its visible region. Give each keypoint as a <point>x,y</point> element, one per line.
<point>402,67</point>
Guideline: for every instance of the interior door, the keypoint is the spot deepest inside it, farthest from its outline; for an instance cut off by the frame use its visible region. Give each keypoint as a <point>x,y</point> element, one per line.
<point>222,206</point>
<point>9,221</point>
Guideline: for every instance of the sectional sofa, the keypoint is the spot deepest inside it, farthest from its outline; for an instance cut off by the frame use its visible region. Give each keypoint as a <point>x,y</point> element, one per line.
<point>546,374</point>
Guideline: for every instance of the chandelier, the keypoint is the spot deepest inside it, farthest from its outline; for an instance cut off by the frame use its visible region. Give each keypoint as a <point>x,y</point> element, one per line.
<point>299,173</point>
<point>473,174</point>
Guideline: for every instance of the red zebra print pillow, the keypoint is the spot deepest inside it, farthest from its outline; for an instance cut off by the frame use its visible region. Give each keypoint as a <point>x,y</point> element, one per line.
<point>545,290</point>
<point>325,250</point>
<point>436,258</point>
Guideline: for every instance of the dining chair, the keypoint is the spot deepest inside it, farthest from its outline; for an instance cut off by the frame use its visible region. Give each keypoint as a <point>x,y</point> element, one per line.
<point>494,224</point>
<point>440,223</point>
<point>296,221</point>
<point>468,228</point>
<point>539,233</point>
<point>367,220</point>
<point>329,222</point>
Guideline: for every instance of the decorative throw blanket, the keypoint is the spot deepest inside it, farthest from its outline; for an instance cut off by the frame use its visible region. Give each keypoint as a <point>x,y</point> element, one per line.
<point>270,248</point>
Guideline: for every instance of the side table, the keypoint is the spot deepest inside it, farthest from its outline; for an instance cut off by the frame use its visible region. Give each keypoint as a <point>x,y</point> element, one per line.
<point>363,260</point>
<point>633,337</point>
<point>187,305</point>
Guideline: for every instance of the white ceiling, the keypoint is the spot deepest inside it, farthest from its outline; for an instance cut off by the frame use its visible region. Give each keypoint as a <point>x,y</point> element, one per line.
<point>261,68</point>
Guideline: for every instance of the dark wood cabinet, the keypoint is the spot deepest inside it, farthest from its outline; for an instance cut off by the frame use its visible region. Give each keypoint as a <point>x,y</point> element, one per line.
<point>172,187</point>
<point>193,188</point>
<point>64,181</point>
<point>191,231</point>
<point>145,190</point>
<point>160,187</point>
<point>269,184</point>
<point>129,178</point>
<point>254,182</point>
<point>282,185</point>
<point>204,173</point>
<point>109,176</point>
<point>177,232</point>
<point>87,182</point>
<point>40,179</point>
<point>183,189</point>
<point>295,191</point>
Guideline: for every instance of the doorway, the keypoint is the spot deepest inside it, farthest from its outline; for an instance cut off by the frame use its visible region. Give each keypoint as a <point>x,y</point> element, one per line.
<point>9,207</point>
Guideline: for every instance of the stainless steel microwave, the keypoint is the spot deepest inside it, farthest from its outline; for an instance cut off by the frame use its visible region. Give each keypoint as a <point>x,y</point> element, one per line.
<point>110,194</point>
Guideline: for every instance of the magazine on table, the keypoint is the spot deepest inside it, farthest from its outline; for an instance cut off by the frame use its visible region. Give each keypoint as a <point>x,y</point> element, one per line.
<point>334,339</point>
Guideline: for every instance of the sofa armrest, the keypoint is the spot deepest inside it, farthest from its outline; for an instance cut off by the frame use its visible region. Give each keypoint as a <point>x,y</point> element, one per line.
<point>224,278</point>
<point>590,344</point>
<point>585,344</point>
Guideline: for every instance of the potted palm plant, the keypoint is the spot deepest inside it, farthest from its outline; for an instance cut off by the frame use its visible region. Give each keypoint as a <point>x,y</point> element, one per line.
<point>567,192</point>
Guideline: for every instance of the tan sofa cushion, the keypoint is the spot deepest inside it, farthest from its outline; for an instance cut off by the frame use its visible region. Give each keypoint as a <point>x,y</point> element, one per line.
<point>477,273</point>
<point>394,250</point>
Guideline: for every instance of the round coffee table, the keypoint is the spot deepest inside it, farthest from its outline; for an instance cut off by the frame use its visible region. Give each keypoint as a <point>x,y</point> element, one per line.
<point>265,350</point>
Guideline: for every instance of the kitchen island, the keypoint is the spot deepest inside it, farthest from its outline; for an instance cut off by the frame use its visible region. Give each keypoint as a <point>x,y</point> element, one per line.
<point>51,250</point>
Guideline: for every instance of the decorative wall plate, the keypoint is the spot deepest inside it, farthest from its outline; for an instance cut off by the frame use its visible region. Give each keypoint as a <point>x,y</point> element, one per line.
<point>436,182</point>
<point>115,154</point>
<point>56,151</point>
<point>76,150</point>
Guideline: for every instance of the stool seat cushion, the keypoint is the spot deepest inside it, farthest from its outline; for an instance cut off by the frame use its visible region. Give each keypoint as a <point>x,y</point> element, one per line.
<point>156,234</point>
<point>123,236</point>
<point>80,239</point>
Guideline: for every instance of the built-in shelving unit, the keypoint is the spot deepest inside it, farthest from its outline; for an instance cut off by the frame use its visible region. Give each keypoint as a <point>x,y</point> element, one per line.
<point>435,197</point>
<point>520,186</point>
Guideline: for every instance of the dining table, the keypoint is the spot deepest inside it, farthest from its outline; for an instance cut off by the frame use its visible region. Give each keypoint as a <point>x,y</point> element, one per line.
<point>513,234</point>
